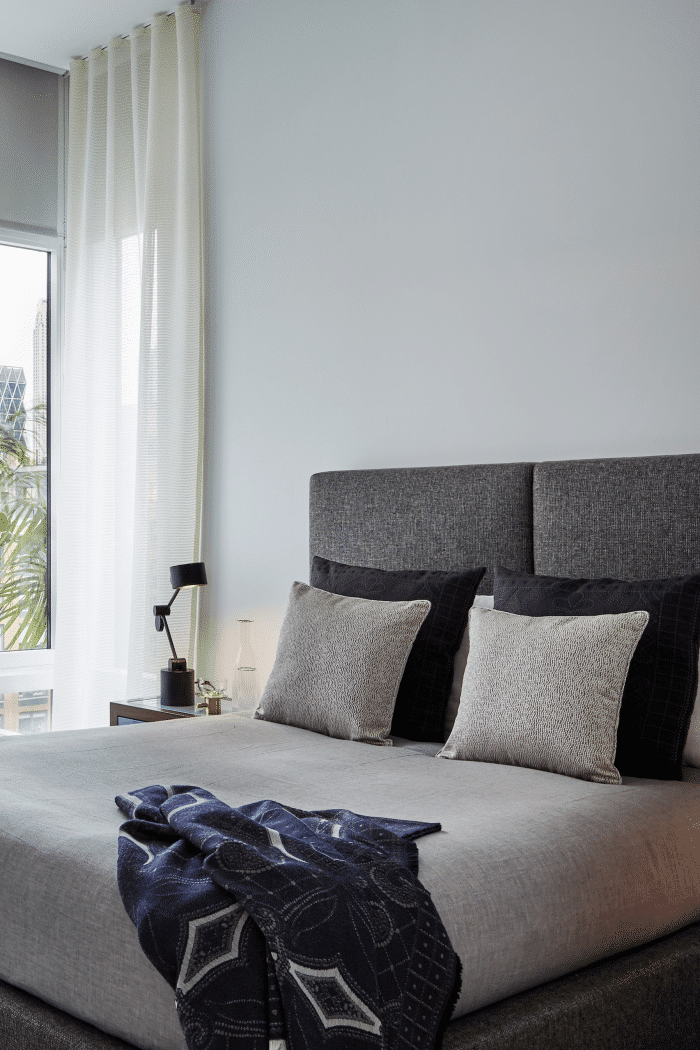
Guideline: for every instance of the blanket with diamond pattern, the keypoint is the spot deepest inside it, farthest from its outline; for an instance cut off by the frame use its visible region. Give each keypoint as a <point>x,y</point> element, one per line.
<point>282,929</point>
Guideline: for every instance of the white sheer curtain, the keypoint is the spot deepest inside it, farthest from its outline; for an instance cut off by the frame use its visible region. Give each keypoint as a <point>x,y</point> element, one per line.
<point>128,497</point>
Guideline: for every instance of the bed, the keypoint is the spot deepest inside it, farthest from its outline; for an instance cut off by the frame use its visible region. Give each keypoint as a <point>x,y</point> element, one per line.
<point>578,926</point>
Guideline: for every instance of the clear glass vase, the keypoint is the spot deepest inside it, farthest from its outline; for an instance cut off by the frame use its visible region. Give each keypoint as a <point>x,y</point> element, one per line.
<point>246,689</point>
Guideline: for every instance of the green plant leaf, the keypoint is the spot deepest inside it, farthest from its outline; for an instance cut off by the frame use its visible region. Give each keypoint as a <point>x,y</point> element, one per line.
<point>23,533</point>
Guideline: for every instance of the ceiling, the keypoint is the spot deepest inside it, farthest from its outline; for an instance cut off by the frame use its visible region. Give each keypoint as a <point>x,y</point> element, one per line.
<point>51,32</point>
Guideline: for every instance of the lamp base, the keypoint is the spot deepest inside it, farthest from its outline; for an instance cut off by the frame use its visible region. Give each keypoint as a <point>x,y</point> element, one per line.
<point>177,687</point>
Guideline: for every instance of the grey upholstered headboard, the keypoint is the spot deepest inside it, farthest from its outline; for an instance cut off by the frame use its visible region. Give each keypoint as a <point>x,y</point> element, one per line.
<point>626,518</point>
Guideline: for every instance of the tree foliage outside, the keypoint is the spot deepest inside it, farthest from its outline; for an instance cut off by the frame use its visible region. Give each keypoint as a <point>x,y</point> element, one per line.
<point>23,531</point>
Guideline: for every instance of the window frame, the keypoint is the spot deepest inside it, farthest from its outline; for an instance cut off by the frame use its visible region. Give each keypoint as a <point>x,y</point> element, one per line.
<point>31,669</point>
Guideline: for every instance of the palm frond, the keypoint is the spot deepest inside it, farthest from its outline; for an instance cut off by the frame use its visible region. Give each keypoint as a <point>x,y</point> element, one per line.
<point>23,533</point>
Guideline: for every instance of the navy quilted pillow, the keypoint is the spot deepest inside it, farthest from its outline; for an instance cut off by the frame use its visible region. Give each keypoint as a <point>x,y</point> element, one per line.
<point>662,680</point>
<point>419,713</point>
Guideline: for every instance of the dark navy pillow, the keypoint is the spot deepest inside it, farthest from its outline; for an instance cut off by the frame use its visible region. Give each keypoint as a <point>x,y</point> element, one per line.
<point>663,676</point>
<point>419,713</point>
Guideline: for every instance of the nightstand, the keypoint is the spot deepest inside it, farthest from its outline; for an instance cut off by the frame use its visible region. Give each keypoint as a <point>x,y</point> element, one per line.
<point>131,712</point>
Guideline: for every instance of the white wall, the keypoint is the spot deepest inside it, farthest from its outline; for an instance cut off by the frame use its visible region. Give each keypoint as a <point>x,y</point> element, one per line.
<point>441,231</point>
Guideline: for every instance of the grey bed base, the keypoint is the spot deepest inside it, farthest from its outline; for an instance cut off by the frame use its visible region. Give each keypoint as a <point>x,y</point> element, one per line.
<point>626,518</point>
<point>639,1000</point>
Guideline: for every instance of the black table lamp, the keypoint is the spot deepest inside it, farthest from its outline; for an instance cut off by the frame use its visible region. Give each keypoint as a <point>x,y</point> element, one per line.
<point>177,680</point>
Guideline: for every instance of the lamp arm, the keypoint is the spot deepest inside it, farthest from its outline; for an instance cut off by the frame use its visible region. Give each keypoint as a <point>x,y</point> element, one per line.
<point>170,638</point>
<point>161,613</point>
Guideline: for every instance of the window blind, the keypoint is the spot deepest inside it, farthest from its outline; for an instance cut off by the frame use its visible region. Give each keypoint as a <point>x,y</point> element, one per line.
<point>29,147</point>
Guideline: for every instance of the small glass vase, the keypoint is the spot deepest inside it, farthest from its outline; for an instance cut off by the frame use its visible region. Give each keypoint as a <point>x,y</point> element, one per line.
<point>246,677</point>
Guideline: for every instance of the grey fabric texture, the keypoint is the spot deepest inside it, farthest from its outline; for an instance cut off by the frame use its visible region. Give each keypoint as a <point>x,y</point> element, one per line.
<point>482,601</point>
<point>642,1000</point>
<point>419,712</point>
<point>545,691</point>
<point>448,518</point>
<point>691,751</point>
<point>631,519</point>
<point>639,1000</point>
<point>339,663</point>
<point>27,1023</point>
<point>534,874</point>
<point>662,682</point>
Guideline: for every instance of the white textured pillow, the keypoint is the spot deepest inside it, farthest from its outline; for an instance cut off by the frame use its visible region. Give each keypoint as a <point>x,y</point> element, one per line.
<point>545,691</point>
<point>482,601</point>
<point>691,751</point>
<point>339,663</point>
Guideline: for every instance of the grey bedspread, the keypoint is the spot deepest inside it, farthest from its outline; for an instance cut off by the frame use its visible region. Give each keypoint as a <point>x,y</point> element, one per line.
<point>533,875</point>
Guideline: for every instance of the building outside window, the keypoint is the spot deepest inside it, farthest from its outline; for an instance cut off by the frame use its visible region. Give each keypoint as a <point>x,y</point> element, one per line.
<point>28,711</point>
<point>12,387</point>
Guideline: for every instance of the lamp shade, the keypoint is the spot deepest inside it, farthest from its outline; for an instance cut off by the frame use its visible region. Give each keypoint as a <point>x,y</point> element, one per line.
<point>192,574</point>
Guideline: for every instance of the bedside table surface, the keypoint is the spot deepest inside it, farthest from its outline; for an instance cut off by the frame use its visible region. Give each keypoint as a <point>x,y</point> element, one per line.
<point>154,704</point>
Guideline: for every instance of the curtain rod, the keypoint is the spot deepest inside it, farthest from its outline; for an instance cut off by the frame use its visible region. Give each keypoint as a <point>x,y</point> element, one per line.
<point>144,25</point>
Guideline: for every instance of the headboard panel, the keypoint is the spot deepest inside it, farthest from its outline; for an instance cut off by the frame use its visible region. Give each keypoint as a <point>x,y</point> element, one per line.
<point>631,519</point>
<point>635,518</point>
<point>425,517</point>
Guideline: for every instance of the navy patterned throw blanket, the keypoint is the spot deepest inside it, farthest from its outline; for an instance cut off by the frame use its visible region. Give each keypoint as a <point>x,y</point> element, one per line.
<point>281,929</point>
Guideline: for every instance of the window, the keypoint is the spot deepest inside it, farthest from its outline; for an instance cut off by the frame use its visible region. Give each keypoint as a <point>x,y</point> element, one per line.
<point>32,231</point>
<point>29,281</point>
<point>24,449</point>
